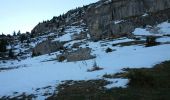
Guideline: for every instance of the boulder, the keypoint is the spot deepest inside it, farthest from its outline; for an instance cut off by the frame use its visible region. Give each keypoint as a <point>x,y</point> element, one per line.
<point>77,55</point>
<point>47,47</point>
<point>80,36</point>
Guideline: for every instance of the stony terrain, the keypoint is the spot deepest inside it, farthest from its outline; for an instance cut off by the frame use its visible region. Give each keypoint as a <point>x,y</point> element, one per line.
<point>93,48</point>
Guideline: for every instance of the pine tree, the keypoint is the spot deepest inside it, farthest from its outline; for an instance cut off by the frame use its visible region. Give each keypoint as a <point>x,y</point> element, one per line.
<point>19,33</point>
<point>3,44</point>
<point>23,37</point>
<point>14,33</point>
<point>11,54</point>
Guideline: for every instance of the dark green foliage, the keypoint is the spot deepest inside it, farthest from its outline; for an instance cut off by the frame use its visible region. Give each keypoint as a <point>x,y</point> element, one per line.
<point>19,33</point>
<point>23,37</point>
<point>61,58</point>
<point>144,26</point>
<point>137,42</point>
<point>145,84</point>
<point>14,33</point>
<point>140,78</point>
<point>9,36</point>
<point>151,41</point>
<point>117,75</point>
<point>94,68</point>
<point>11,54</point>
<point>32,35</point>
<point>35,54</point>
<point>62,30</point>
<point>3,44</point>
<point>108,50</point>
<point>80,90</point>
<point>28,41</point>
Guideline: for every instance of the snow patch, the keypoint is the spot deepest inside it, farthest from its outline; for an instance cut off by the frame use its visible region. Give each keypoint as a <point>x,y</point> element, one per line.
<point>118,82</point>
<point>118,21</point>
<point>159,30</point>
<point>144,15</point>
<point>164,28</point>
<point>141,31</point>
<point>45,70</point>
<point>163,39</point>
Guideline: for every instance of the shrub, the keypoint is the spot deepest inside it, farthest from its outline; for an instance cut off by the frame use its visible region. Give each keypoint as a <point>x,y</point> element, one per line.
<point>108,76</point>
<point>3,44</point>
<point>23,37</point>
<point>35,54</point>
<point>11,54</point>
<point>61,58</point>
<point>108,50</point>
<point>140,78</point>
<point>151,41</point>
<point>94,68</point>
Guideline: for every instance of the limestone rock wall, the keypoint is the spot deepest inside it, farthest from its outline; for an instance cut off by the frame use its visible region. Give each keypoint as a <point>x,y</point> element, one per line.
<point>104,18</point>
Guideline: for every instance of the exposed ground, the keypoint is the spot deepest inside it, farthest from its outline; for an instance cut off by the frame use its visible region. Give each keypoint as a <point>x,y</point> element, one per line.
<point>145,84</point>
<point>102,78</point>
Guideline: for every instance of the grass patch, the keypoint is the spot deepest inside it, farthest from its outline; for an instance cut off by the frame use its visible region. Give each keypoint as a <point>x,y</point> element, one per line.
<point>80,90</point>
<point>151,41</point>
<point>61,58</point>
<point>129,43</point>
<point>140,78</point>
<point>145,84</point>
<point>117,75</point>
<point>94,68</point>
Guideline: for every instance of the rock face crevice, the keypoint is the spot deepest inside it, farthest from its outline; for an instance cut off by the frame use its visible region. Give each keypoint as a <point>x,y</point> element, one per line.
<point>110,18</point>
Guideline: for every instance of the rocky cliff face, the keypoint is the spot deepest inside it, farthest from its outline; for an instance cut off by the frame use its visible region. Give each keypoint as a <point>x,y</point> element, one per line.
<point>109,18</point>
<point>104,19</point>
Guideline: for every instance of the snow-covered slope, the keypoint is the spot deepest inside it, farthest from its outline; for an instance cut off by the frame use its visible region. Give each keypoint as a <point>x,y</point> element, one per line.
<point>31,74</point>
<point>41,74</point>
<point>158,30</point>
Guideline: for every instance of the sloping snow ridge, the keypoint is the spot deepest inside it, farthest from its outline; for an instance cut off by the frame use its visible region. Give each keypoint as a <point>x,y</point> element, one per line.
<point>163,39</point>
<point>164,28</point>
<point>141,31</point>
<point>159,30</point>
<point>44,70</point>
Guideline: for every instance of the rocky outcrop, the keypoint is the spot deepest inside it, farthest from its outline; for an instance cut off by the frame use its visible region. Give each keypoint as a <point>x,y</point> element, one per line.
<point>56,24</point>
<point>47,47</point>
<point>80,36</point>
<point>107,18</point>
<point>110,18</point>
<point>78,55</point>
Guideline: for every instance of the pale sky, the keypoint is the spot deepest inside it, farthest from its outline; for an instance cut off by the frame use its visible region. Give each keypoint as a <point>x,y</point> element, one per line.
<point>23,15</point>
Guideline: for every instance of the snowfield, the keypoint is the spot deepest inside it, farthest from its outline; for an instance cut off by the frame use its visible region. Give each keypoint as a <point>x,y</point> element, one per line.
<point>39,74</point>
<point>159,30</point>
<point>45,70</point>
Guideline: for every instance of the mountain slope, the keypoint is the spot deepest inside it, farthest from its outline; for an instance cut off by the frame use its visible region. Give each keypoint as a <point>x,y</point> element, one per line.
<point>111,18</point>
<point>80,46</point>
